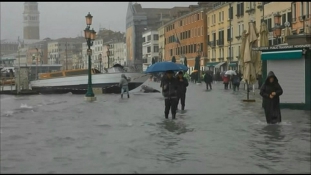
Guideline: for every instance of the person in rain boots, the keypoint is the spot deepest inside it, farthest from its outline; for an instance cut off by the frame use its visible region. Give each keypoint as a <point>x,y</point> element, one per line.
<point>182,83</point>
<point>124,86</point>
<point>169,91</point>
<point>235,82</point>
<point>208,79</point>
<point>271,92</point>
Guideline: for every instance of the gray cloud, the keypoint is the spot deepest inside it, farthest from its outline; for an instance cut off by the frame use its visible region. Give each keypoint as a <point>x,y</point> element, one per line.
<point>66,19</point>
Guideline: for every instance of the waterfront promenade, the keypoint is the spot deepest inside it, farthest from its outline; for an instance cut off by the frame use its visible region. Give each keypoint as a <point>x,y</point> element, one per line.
<point>218,133</point>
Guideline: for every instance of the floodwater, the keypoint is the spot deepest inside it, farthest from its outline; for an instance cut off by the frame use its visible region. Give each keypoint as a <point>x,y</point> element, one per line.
<point>218,133</point>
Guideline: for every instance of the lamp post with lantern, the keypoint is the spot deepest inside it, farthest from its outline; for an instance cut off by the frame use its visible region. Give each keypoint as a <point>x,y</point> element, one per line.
<point>100,62</point>
<point>108,54</point>
<point>90,36</point>
<point>277,27</point>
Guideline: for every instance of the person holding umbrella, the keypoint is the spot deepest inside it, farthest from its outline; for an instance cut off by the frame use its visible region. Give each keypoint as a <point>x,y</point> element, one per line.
<point>182,83</point>
<point>169,90</point>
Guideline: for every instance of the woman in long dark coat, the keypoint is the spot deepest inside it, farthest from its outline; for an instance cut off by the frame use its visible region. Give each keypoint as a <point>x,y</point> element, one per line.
<point>271,91</point>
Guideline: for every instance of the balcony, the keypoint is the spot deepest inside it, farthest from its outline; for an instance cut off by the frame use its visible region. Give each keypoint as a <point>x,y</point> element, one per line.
<point>213,59</point>
<point>145,60</point>
<point>221,59</point>
<point>250,10</point>
<point>220,43</point>
<point>212,44</point>
<point>259,6</point>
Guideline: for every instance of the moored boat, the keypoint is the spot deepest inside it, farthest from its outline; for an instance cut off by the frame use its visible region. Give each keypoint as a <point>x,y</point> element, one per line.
<point>75,81</point>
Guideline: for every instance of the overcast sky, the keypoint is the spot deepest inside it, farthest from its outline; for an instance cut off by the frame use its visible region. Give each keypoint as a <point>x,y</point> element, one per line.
<point>67,19</point>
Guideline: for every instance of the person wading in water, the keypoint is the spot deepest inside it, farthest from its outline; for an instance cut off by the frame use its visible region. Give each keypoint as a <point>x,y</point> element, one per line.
<point>271,92</point>
<point>208,79</point>
<point>169,91</point>
<point>124,86</point>
<point>182,83</point>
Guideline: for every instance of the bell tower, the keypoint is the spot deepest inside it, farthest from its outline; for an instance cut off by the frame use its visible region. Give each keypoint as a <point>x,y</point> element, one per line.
<point>31,21</point>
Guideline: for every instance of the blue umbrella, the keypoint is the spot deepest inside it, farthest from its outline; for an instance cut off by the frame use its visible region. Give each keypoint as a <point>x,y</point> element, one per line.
<point>165,66</point>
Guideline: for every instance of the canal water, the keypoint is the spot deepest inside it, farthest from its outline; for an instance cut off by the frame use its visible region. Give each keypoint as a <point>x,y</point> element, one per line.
<point>218,133</point>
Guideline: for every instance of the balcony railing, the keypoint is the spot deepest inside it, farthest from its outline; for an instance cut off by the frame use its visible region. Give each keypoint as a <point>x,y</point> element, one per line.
<point>212,43</point>
<point>145,60</point>
<point>220,43</point>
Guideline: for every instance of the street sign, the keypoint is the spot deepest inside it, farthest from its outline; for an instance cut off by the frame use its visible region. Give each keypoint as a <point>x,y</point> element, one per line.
<point>302,46</point>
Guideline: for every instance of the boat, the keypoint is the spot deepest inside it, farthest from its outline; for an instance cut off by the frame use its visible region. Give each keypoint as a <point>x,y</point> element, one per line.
<point>76,81</point>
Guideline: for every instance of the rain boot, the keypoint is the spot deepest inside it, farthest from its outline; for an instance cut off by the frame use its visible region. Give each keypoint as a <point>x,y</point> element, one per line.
<point>183,108</point>
<point>174,116</point>
<point>128,95</point>
<point>121,95</point>
<point>166,116</point>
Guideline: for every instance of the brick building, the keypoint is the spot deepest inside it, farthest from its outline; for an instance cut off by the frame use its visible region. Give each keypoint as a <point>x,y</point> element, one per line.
<point>186,36</point>
<point>301,13</point>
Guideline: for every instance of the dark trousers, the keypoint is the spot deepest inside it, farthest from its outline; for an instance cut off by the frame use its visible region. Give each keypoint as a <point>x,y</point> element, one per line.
<point>236,87</point>
<point>226,85</point>
<point>208,84</point>
<point>170,104</point>
<point>182,98</point>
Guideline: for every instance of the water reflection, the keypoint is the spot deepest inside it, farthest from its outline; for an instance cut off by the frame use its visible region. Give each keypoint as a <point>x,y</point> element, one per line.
<point>269,146</point>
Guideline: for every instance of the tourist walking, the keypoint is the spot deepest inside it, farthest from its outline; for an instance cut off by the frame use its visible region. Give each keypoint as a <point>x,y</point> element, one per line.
<point>182,84</point>
<point>236,82</point>
<point>271,92</point>
<point>124,86</point>
<point>225,80</point>
<point>208,79</point>
<point>169,91</point>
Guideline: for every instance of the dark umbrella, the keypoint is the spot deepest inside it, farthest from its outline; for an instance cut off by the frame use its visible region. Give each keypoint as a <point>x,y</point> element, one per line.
<point>153,61</point>
<point>173,59</point>
<point>165,66</point>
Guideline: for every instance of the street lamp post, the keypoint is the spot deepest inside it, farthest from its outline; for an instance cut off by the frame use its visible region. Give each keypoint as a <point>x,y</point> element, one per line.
<point>108,54</point>
<point>100,62</point>
<point>90,37</point>
<point>37,63</point>
<point>199,68</point>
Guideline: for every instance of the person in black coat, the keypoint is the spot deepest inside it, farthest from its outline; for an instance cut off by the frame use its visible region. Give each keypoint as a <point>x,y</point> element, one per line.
<point>169,91</point>
<point>208,79</point>
<point>182,83</point>
<point>271,92</point>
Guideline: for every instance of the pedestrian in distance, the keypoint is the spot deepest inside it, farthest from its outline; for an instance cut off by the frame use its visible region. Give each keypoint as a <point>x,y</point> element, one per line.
<point>225,80</point>
<point>182,84</point>
<point>236,82</point>
<point>271,92</point>
<point>208,79</point>
<point>124,86</point>
<point>169,91</point>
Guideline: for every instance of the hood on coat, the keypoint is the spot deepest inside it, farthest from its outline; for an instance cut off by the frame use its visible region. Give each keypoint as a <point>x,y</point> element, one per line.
<point>271,74</point>
<point>123,76</point>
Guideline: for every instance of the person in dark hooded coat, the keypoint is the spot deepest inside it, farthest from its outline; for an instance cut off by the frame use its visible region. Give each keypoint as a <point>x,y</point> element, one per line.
<point>271,92</point>
<point>169,91</point>
<point>182,83</point>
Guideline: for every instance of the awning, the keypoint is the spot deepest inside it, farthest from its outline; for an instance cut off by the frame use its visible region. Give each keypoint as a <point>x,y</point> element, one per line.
<point>219,64</point>
<point>211,64</point>
<point>233,64</point>
<point>282,55</point>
